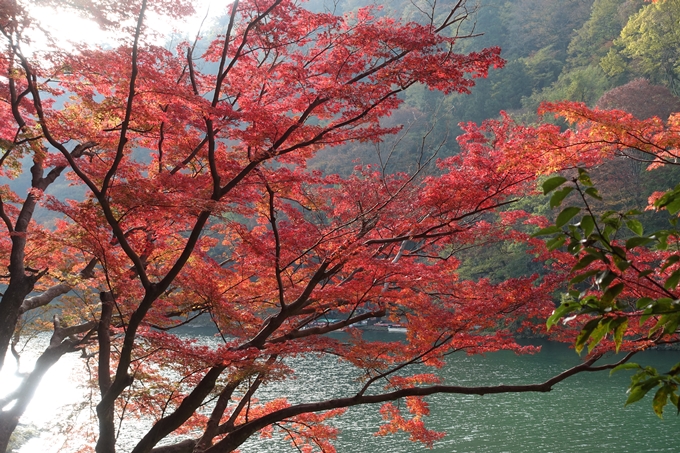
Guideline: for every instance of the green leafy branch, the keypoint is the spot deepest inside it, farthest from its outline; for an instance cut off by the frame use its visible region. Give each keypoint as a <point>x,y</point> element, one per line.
<point>595,240</point>
<point>648,378</point>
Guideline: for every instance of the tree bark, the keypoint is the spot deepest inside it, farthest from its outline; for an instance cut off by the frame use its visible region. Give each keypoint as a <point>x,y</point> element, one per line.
<point>186,409</point>
<point>19,287</point>
<point>107,430</point>
<point>20,284</point>
<point>186,446</point>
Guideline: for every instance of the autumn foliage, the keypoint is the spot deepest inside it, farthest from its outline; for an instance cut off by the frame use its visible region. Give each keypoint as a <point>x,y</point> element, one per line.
<point>198,202</point>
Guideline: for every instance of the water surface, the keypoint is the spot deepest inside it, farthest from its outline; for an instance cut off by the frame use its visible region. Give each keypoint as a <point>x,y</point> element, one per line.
<point>585,413</point>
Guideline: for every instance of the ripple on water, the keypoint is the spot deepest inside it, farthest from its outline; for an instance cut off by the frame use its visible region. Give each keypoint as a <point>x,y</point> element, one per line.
<point>583,414</point>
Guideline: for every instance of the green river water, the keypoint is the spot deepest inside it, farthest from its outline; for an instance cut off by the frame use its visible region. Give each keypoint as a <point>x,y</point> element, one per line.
<point>583,414</point>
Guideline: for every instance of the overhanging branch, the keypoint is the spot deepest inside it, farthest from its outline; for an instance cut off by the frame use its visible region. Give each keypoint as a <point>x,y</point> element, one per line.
<point>243,432</point>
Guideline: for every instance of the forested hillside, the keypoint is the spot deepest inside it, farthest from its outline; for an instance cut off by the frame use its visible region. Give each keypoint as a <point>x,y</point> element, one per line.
<point>554,50</point>
<point>591,51</point>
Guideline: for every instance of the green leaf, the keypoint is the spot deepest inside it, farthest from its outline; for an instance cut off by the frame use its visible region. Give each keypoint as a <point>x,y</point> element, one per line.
<point>574,247</point>
<point>670,261</point>
<point>668,197</point>
<point>553,183</point>
<point>663,241</point>
<point>638,391</point>
<point>587,225</point>
<point>661,399</point>
<point>643,302</point>
<point>584,262</point>
<point>618,251</point>
<point>637,242</point>
<point>585,334</point>
<point>663,305</point>
<point>566,215</point>
<point>546,231</point>
<point>612,293</point>
<point>581,277</point>
<point>605,278</point>
<point>563,309</point>
<point>609,229</point>
<point>622,265</point>
<point>592,191</point>
<point>608,215</point>
<point>635,226</point>
<point>599,333</point>
<point>659,324</point>
<point>645,273</point>
<point>619,325</point>
<point>673,280</point>
<point>560,195</point>
<point>584,177</point>
<point>597,253</point>
<point>671,324</point>
<point>625,366</point>
<point>574,232</point>
<point>659,306</point>
<point>556,242</point>
<point>589,303</point>
<point>676,401</point>
<point>674,206</point>
<point>675,369</point>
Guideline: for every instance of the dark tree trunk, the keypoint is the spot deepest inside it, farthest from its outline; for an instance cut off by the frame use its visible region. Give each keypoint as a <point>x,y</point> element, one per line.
<point>19,287</point>
<point>106,442</point>
<point>20,284</point>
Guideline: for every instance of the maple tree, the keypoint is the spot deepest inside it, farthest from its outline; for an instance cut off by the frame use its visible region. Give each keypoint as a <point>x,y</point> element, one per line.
<point>642,99</point>
<point>199,202</point>
<point>624,181</point>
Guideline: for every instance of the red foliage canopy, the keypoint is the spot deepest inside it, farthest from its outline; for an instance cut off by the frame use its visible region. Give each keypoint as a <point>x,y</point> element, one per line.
<point>199,202</point>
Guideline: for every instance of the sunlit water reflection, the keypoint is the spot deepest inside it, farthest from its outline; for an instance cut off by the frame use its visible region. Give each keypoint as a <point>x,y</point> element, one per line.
<point>583,414</point>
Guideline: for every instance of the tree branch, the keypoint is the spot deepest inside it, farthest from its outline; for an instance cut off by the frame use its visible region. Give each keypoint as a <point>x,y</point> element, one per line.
<point>186,409</point>
<point>55,291</point>
<point>277,246</point>
<point>243,432</point>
